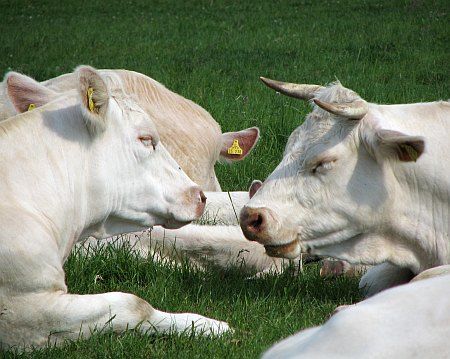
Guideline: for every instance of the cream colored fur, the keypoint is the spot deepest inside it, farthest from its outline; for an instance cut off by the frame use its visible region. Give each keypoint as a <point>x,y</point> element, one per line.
<point>409,321</point>
<point>190,134</point>
<point>349,189</point>
<point>60,182</point>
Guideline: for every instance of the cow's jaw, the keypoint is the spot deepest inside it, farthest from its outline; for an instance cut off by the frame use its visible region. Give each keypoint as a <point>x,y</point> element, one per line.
<point>289,250</point>
<point>322,245</point>
<point>319,243</point>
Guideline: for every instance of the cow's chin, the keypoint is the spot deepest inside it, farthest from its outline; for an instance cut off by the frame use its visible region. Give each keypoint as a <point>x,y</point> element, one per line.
<point>174,224</point>
<point>289,250</point>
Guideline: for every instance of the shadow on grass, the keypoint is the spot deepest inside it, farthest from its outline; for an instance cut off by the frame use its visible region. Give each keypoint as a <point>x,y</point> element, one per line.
<point>120,267</point>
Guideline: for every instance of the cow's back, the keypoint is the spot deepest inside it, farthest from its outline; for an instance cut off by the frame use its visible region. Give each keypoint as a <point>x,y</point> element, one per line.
<point>188,131</point>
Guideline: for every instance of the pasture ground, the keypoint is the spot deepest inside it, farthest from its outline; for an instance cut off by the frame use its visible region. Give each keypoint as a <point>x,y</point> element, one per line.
<point>213,53</point>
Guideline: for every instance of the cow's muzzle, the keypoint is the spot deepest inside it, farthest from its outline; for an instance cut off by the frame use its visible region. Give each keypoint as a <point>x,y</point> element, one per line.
<point>254,223</point>
<point>189,209</point>
<point>261,225</point>
<point>194,196</point>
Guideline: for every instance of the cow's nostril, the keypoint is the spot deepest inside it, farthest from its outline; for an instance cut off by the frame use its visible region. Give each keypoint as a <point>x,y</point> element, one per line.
<point>255,222</point>
<point>202,197</point>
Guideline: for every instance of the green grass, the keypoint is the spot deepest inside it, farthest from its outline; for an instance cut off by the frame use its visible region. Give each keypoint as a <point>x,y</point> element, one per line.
<point>260,310</point>
<point>213,52</point>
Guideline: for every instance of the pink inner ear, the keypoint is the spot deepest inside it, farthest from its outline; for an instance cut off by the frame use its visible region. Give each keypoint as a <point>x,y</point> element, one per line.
<point>246,140</point>
<point>254,187</point>
<point>23,91</point>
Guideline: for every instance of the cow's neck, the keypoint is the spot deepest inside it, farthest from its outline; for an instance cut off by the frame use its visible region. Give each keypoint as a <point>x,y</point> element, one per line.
<point>57,149</point>
<point>419,198</point>
<point>419,214</point>
<point>414,227</point>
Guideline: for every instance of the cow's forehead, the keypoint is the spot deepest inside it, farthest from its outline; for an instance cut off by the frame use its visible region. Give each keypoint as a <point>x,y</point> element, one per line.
<point>318,129</point>
<point>319,125</point>
<point>337,93</point>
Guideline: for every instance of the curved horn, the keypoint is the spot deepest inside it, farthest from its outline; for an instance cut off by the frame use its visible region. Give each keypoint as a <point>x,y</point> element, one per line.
<point>355,110</point>
<point>302,92</point>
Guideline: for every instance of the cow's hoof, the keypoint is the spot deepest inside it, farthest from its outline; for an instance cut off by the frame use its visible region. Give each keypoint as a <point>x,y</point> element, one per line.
<point>200,325</point>
<point>332,268</point>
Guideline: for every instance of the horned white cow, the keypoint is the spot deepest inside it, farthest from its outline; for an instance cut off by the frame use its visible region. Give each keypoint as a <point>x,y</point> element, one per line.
<point>409,321</point>
<point>188,131</point>
<point>89,163</point>
<point>361,182</point>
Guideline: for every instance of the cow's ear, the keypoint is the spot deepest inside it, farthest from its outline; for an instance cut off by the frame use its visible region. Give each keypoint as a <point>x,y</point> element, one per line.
<point>393,144</point>
<point>26,93</point>
<point>237,145</point>
<point>254,187</point>
<point>94,94</point>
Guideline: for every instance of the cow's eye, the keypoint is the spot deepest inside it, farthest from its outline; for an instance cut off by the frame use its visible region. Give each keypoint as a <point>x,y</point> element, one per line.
<point>322,167</point>
<point>147,141</point>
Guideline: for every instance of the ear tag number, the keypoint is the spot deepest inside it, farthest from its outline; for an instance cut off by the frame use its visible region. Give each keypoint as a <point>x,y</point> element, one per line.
<point>235,149</point>
<point>31,106</point>
<point>91,103</point>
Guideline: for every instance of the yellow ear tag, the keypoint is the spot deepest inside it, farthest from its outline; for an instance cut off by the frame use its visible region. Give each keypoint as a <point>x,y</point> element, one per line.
<point>91,103</point>
<point>235,149</point>
<point>32,106</point>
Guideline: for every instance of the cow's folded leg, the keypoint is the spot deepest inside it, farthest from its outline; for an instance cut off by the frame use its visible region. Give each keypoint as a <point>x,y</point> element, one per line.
<point>51,318</point>
<point>383,276</point>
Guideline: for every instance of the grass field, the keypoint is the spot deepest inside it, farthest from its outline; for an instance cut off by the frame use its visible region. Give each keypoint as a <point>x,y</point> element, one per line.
<point>213,53</point>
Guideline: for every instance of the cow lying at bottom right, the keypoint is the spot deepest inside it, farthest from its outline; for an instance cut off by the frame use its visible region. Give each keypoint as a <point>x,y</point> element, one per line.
<point>360,182</point>
<point>409,321</point>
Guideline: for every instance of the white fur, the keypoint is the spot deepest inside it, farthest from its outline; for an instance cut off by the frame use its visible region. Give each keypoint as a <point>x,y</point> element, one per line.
<point>409,321</point>
<point>61,182</point>
<point>189,133</point>
<point>383,276</point>
<point>362,204</point>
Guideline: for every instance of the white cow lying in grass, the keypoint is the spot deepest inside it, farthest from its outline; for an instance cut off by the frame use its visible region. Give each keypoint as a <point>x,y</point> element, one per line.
<point>409,321</point>
<point>88,164</point>
<point>360,182</point>
<point>188,131</point>
<point>177,120</point>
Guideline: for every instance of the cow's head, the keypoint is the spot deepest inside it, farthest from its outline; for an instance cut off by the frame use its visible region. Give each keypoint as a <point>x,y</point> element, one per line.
<point>331,187</point>
<point>128,173</point>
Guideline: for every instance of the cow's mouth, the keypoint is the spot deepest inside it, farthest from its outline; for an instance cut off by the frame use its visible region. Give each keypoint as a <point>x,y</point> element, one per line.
<point>173,224</point>
<point>289,250</point>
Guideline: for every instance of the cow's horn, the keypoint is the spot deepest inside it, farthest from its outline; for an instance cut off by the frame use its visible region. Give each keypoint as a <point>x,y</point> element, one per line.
<point>302,92</point>
<point>355,110</point>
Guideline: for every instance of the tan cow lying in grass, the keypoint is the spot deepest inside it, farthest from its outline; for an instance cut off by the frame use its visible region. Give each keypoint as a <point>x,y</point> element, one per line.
<point>409,321</point>
<point>360,182</point>
<point>188,131</point>
<point>91,163</point>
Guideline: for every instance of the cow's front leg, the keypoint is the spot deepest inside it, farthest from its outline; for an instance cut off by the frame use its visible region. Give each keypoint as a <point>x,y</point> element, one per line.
<point>383,276</point>
<point>51,318</point>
